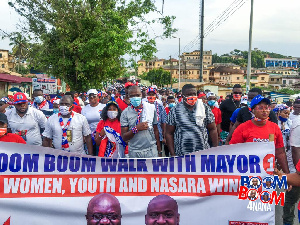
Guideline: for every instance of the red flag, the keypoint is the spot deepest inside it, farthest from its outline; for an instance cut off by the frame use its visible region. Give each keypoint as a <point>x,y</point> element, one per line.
<point>7,222</point>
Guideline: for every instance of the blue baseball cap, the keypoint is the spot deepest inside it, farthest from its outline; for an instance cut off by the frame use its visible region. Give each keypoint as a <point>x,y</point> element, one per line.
<point>258,99</point>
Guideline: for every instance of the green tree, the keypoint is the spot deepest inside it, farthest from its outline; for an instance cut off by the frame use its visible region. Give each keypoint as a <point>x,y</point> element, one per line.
<point>159,77</point>
<point>83,41</point>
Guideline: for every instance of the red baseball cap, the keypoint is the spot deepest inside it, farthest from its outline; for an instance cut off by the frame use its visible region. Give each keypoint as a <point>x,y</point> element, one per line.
<point>20,97</point>
<point>128,84</point>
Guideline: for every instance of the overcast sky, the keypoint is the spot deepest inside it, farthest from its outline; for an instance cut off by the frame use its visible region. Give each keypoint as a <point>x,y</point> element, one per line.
<point>276,27</point>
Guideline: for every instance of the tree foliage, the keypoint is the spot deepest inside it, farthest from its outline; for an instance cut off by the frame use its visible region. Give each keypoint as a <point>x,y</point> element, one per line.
<point>257,58</point>
<point>159,77</point>
<point>83,42</point>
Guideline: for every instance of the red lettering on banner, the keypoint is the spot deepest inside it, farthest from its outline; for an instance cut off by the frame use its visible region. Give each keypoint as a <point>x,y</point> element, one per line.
<point>14,186</point>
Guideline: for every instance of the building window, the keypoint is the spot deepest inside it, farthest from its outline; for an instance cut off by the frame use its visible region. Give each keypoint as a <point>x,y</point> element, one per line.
<point>3,65</point>
<point>262,85</point>
<point>157,64</point>
<point>272,79</point>
<point>238,78</point>
<point>263,78</point>
<point>0,55</point>
<point>277,79</point>
<point>284,81</point>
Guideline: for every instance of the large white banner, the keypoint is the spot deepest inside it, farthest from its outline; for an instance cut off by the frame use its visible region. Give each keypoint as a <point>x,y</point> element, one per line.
<point>46,186</point>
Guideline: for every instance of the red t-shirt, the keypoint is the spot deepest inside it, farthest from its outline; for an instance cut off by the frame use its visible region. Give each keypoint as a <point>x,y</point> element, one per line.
<point>298,167</point>
<point>116,125</point>
<point>218,116</point>
<point>248,132</point>
<point>77,108</point>
<point>122,104</point>
<point>9,137</point>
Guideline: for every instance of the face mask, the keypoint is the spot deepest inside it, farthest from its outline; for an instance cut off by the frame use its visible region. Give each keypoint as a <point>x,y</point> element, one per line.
<point>64,110</point>
<point>211,102</point>
<point>3,131</point>
<point>171,105</point>
<point>55,110</point>
<point>151,99</point>
<point>136,101</point>
<point>112,114</point>
<point>283,119</point>
<point>191,100</point>
<point>237,97</point>
<point>39,99</point>
<point>260,120</point>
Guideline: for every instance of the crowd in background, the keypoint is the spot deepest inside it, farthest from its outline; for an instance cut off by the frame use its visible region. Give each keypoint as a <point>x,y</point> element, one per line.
<point>135,121</point>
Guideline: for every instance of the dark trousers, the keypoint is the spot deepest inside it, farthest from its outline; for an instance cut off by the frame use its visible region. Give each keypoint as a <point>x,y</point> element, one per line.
<point>291,198</point>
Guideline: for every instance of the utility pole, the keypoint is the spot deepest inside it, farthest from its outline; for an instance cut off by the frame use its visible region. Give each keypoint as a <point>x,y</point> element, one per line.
<point>171,71</point>
<point>179,68</point>
<point>249,50</point>
<point>201,31</point>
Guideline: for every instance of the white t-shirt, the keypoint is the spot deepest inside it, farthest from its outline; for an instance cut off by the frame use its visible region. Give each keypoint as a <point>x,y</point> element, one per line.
<point>79,128</point>
<point>295,131</point>
<point>92,114</point>
<point>30,124</point>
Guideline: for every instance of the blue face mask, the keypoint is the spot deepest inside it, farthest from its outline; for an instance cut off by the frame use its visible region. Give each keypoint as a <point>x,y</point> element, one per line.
<point>55,111</point>
<point>283,119</point>
<point>135,101</point>
<point>39,99</point>
<point>171,105</point>
<point>211,102</point>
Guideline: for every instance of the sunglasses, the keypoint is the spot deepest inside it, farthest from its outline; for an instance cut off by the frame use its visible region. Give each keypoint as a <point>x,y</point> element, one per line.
<point>237,93</point>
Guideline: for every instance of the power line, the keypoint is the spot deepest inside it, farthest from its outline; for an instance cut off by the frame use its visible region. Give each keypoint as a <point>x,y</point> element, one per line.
<point>229,11</point>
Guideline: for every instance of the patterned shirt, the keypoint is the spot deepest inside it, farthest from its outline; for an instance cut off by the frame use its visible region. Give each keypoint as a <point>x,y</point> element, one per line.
<point>188,136</point>
<point>162,119</point>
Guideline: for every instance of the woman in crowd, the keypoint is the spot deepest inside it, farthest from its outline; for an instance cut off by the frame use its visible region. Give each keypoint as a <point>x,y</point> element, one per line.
<point>260,129</point>
<point>108,130</point>
<point>283,112</point>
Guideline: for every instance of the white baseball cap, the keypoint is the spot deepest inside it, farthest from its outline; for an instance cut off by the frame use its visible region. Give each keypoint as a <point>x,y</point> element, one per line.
<point>92,91</point>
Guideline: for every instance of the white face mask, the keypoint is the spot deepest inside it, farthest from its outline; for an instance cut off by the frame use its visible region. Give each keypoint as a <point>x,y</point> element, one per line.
<point>112,114</point>
<point>64,110</point>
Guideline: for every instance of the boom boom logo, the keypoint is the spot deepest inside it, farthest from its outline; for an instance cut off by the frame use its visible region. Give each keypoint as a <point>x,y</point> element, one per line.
<point>259,191</point>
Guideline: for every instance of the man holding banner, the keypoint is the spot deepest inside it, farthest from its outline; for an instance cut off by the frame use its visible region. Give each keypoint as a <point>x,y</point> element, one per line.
<point>67,129</point>
<point>139,127</point>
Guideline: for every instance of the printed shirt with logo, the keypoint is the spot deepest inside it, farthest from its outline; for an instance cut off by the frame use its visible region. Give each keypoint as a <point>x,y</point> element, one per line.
<point>249,132</point>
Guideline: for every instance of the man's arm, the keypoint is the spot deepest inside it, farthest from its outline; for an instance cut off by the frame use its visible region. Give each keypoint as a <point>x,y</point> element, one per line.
<point>281,159</point>
<point>296,154</point>
<point>236,124</point>
<point>89,144</point>
<point>170,138</point>
<point>213,133</point>
<point>156,133</point>
<point>47,142</point>
<point>128,134</point>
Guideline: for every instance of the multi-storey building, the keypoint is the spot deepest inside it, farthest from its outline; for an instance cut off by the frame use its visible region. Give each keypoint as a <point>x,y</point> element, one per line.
<point>6,60</point>
<point>288,62</point>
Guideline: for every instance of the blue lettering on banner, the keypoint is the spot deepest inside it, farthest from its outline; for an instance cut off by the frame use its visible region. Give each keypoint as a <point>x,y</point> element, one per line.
<point>160,165</point>
<point>15,162</point>
<point>190,163</point>
<point>74,165</point>
<point>49,163</point>
<point>62,163</point>
<point>226,163</point>
<point>3,162</point>
<point>88,164</point>
<point>114,165</point>
<point>208,163</point>
<point>254,162</point>
<point>31,163</point>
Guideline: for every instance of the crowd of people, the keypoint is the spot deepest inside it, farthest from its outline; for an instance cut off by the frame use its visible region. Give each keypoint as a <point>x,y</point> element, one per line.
<point>135,121</point>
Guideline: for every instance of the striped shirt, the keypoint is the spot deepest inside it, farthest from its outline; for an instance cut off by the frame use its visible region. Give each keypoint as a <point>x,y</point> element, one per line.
<point>188,136</point>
